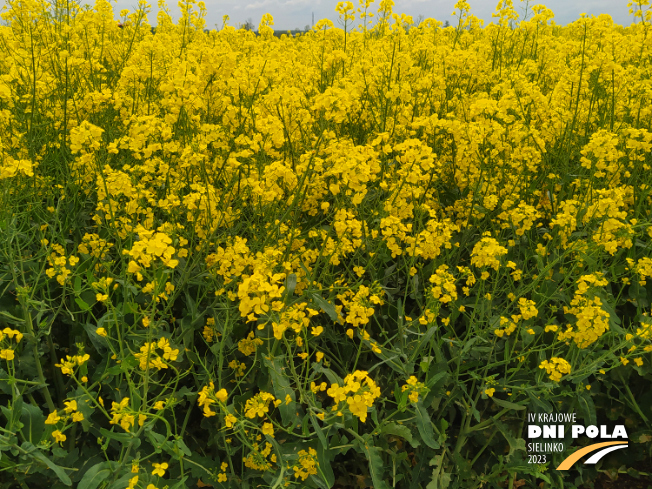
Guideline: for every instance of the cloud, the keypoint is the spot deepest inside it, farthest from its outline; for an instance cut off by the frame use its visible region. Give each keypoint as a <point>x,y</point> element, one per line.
<point>293,3</point>
<point>257,5</point>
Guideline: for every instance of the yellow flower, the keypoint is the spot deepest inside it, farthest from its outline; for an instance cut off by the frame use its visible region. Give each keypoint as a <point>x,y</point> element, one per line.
<point>490,391</point>
<point>221,477</point>
<point>7,354</point>
<point>159,469</point>
<point>70,406</point>
<point>556,368</point>
<point>132,482</point>
<point>58,436</point>
<point>101,331</point>
<point>268,429</point>
<point>229,420</point>
<point>53,418</point>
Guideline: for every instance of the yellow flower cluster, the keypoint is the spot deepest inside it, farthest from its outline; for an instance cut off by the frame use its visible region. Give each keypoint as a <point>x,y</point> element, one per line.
<point>592,321</point>
<point>58,264</point>
<point>222,475</point>
<point>124,415</point>
<point>13,167</point>
<point>257,458</point>
<point>94,246</point>
<point>508,327</point>
<point>414,387</point>
<point>485,253</point>
<point>208,396</point>
<point>147,249</point>
<point>359,392</point>
<point>258,405</point>
<point>69,412</point>
<point>444,288</point>
<point>150,358</point>
<point>68,366</point>
<point>248,345</point>
<point>209,330</point>
<point>6,352</point>
<point>556,368</point>
<point>360,305</point>
<point>528,308</point>
<point>306,464</point>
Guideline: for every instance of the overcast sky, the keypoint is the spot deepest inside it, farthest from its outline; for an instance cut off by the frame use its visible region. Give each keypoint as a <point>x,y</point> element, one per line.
<point>291,14</point>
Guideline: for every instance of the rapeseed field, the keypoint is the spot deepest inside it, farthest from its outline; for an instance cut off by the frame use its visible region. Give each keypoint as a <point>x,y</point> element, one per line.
<point>357,257</point>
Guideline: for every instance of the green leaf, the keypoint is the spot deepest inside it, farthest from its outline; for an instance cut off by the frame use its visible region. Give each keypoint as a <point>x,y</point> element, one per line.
<point>318,430</point>
<point>180,484</point>
<point>423,342</point>
<point>514,443</point>
<point>393,361</point>
<point>326,478</point>
<point>435,378</point>
<point>326,306</point>
<point>183,447</point>
<point>158,441</point>
<point>281,387</point>
<point>77,285</point>
<point>424,425</point>
<point>468,345</point>
<point>542,404</point>
<point>33,421</point>
<point>587,407</point>
<point>397,430</point>
<point>291,282</point>
<point>82,305</point>
<point>11,319</point>
<point>122,482</point>
<point>94,476</point>
<point>508,405</point>
<point>38,455</point>
<point>330,375</point>
<point>375,466</point>
<point>439,481</point>
<point>123,438</point>
<point>99,342</point>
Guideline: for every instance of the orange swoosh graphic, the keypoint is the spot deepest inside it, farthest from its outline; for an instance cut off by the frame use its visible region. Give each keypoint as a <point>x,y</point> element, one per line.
<point>571,459</point>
